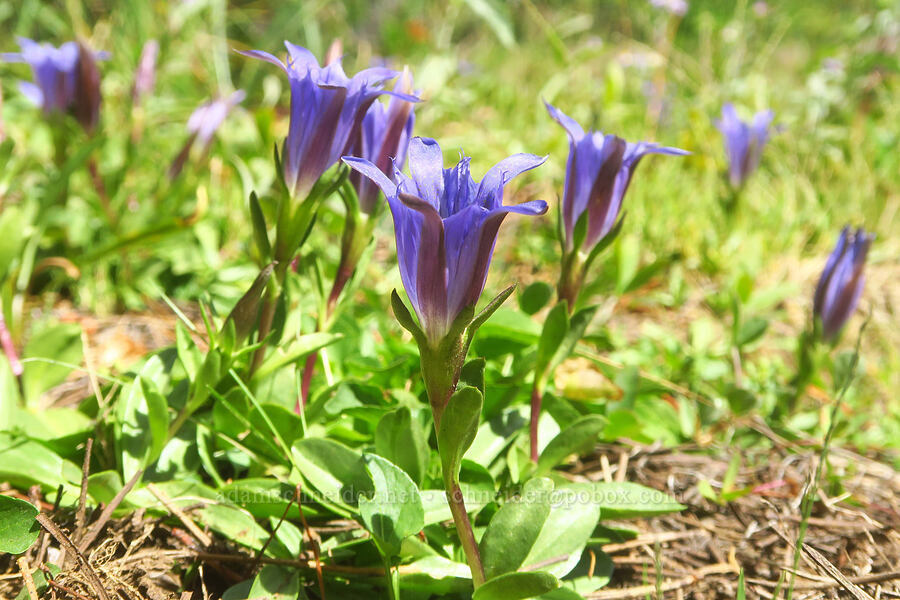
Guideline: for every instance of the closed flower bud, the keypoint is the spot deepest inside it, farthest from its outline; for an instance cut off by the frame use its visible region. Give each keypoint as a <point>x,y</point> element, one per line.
<point>841,283</point>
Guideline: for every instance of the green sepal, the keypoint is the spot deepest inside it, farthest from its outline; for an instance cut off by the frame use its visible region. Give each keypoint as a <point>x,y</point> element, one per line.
<point>486,313</point>
<point>606,241</point>
<point>406,319</point>
<point>457,429</point>
<point>260,232</point>
<point>245,313</point>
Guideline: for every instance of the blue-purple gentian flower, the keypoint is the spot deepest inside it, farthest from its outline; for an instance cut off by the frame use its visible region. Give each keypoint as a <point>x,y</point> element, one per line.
<point>446,224</point>
<point>598,172</point>
<point>202,126</point>
<point>744,142</point>
<point>383,140</point>
<point>842,281</point>
<point>327,108</point>
<point>678,8</point>
<point>145,73</point>
<point>66,79</point>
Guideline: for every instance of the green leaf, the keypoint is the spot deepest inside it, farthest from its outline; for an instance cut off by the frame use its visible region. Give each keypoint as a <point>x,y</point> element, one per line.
<point>394,511</point>
<point>579,437</point>
<point>498,22</point>
<point>556,326</point>
<point>401,439</point>
<point>142,419</point>
<point>275,583</point>
<point>24,463</point>
<point>233,524</point>
<point>535,297</point>
<point>516,586</point>
<point>577,326</point>
<point>18,529</point>
<point>515,528</point>
<point>623,500</point>
<point>57,346</point>
<point>751,330</point>
<point>187,350</point>
<point>458,427</point>
<point>740,400</point>
<point>299,348</point>
<point>334,470</point>
<point>473,374</point>
<point>566,531</point>
<point>9,396</point>
<point>260,231</point>
<point>13,228</point>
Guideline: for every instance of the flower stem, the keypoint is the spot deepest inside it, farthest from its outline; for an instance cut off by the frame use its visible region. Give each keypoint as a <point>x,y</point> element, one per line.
<point>536,397</point>
<point>392,579</point>
<point>571,278</point>
<point>267,312</point>
<point>464,530</point>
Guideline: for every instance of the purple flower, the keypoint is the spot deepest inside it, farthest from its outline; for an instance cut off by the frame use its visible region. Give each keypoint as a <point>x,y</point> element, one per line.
<point>446,224</point>
<point>327,108</point>
<point>744,142</point>
<point>598,172</point>
<point>842,281</point>
<point>675,7</point>
<point>145,74</point>
<point>66,79</point>
<point>383,138</point>
<point>202,126</point>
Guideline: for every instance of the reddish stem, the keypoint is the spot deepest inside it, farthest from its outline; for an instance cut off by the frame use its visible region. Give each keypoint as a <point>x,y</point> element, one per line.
<point>536,397</point>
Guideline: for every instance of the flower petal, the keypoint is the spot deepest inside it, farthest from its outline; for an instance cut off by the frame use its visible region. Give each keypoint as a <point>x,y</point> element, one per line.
<point>261,55</point>
<point>568,123</point>
<point>372,172</point>
<point>426,163</point>
<point>499,175</point>
<point>431,270</point>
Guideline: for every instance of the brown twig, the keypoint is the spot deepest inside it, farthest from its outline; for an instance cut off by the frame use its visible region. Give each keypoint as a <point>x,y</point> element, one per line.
<point>106,515</point>
<point>313,542</point>
<point>667,586</point>
<point>198,533</point>
<point>64,541</point>
<point>67,590</point>
<point>26,575</point>
<point>82,498</point>
<point>275,529</point>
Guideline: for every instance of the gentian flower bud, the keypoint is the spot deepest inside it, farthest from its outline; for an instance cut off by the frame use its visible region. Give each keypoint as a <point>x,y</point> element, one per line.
<point>327,108</point>
<point>744,142</point>
<point>446,224</point>
<point>202,126</point>
<point>66,79</point>
<point>598,172</point>
<point>145,74</point>
<point>383,138</point>
<point>841,283</point>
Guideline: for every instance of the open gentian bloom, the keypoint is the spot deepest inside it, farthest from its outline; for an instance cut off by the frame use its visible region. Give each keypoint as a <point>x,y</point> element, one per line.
<point>383,138</point>
<point>446,224</point>
<point>598,172</point>
<point>842,281</point>
<point>66,79</point>
<point>327,107</point>
<point>744,142</point>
